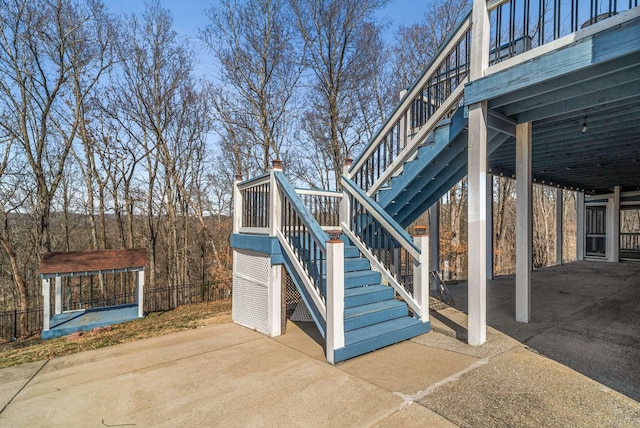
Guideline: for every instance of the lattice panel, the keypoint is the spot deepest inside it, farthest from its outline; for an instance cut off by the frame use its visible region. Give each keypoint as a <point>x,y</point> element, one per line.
<point>250,290</point>
<point>253,266</point>
<point>292,295</point>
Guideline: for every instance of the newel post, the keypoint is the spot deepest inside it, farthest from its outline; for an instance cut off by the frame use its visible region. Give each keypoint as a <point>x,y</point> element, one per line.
<point>237,205</point>
<point>275,272</point>
<point>46,304</point>
<point>421,272</point>
<point>345,203</point>
<point>335,294</point>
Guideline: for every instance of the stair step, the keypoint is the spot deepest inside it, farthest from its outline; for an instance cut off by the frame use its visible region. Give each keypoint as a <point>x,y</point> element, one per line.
<point>353,264</point>
<point>374,313</point>
<point>370,338</point>
<point>364,295</point>
<point>361,278</point>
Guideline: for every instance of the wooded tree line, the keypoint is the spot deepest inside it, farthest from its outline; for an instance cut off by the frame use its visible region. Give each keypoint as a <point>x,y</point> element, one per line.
<point>111,137</point>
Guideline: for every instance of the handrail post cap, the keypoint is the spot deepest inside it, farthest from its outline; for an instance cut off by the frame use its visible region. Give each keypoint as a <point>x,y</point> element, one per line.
<point>276,164</point>
<point>420,230</point>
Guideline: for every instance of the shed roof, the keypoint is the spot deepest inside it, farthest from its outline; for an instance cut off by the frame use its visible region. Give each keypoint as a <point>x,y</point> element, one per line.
<point>88,262</point>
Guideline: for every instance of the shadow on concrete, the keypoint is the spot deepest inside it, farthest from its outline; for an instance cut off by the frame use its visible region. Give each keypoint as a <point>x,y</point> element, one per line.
<point>585,315</point>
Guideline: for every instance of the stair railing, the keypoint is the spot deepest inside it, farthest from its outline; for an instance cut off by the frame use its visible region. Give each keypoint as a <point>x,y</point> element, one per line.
<point>435,96</point>
<point>401,260</point>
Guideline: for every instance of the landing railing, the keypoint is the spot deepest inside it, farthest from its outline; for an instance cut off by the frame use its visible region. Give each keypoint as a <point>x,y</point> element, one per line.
<point>324,205</point>
<point>518,25</point>
<point>255,195</point>
<point>435,96</point>
<point>390,249</point>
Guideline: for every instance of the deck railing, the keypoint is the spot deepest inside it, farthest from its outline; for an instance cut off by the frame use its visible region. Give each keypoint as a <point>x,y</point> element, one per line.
<point>435,96</point>
<point>518,25</point>
<point>324,205</point>
<point>255,195</point>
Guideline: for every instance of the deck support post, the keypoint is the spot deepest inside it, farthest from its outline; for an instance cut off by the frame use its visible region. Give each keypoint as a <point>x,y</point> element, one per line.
<point>580,232</point>
<point>345,202</point>
<point>421,271</point>
<point>613,226</point>
<point>434,237</point>
<point>335,295</point>
<point>477,269</point>
<point>559,231</point>
<point>140,292</point>
<point>524,214</point>
<point>46,304</point>
<point>489,226</point>
<point>57,297</point>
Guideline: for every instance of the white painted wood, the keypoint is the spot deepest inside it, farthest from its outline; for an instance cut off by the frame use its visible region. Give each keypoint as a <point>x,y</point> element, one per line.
<point>255,182</point>
<point>524,214</point>
<point>335,297</point>
<point>434,237</point>
<point>613,226</point>
<point>275,204</point>
<point>140,292</point>
<point>477,218</point>
<point>314,192</point>
<point>421,276</point>
<point>580,230</point>
<point>397,236</point>
<point>345,202</point>
<point>275,301</point>
<point>237,208</point>
<point>255,230</point>
<point>559,231</point>
<point>46,304</point>
<point>379,267</point>
<point>57,296</point>
<point>480,40</point>
<point>311,289</point>
<point>489,226</point>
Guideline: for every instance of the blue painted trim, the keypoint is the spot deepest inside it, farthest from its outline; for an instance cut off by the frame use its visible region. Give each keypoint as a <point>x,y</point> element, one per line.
<point>608,45</point>
<point>444,45</point>
<point>262,244</point>
<point>354,188</point>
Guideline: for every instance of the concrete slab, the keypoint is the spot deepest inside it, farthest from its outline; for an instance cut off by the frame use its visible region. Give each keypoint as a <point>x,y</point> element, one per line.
<point>523,389</point>
<point>415,416</point>
<point>221,375</point>
<point>88,319</point>
<point>585,315</point>
<point>407,367</point>
<point>14,379</point>
<point>303,337</point>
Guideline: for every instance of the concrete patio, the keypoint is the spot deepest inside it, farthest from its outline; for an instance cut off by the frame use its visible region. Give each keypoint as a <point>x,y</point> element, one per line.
<point>227,375</point>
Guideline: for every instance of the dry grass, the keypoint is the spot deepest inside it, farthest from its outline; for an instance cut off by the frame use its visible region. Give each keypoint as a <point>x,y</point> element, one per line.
<point>154,324</point>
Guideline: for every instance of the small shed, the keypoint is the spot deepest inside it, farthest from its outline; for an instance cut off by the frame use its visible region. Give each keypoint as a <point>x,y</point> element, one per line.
<point>58,265</point>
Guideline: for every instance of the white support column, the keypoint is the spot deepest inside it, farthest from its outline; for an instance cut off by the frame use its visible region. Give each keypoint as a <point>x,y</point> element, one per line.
<point>434,237</point>
<point>140,293</point>
<point>46,304</point>
<point>237,205</point>
<point>580,231</point>
<point>477,176</point>
<point>559,216</point>
<point>275,301</point>
<point>335,295</point>
<point>57,297</point>
<point>524,211</point>
<point>477,234</point>
<point>421,273</point>
<point>275,273</point>
<point>613,226</point>
<point>489,226</point>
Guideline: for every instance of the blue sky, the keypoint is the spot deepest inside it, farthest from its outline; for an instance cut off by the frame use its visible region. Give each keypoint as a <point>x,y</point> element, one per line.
<point>188,18</point>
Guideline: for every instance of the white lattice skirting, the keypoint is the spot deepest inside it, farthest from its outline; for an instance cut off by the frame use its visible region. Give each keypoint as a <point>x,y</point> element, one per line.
<point>251,290</point>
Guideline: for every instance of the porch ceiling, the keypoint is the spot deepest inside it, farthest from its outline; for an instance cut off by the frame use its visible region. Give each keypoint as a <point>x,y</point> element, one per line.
<point>604,95</point>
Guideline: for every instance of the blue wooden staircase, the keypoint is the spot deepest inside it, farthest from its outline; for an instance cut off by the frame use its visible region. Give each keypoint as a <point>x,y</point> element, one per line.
<point>373,317</point>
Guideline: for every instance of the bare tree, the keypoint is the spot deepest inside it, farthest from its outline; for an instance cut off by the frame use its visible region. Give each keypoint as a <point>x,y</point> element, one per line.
<point>253,40</point>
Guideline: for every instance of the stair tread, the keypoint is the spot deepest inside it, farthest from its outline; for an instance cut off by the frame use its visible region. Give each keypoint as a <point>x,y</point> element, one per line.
<point>361,310</point>
<point>373,331</point>
<point>357,291</point>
